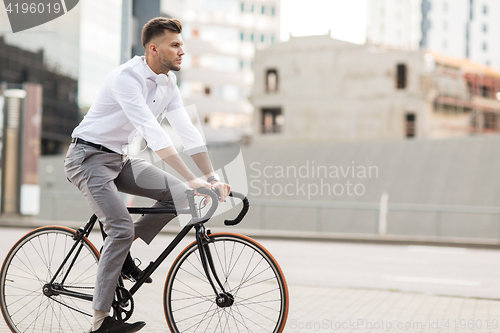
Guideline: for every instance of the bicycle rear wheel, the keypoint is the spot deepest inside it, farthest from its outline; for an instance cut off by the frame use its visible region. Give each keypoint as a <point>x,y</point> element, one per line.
<point>30,265</point>
<point>247,271</point>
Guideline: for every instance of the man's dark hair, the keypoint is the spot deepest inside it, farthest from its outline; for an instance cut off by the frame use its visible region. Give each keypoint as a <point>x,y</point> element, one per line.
<point>157,26</point>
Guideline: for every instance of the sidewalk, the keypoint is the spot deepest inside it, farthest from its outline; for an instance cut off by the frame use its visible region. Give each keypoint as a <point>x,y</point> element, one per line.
<point>355,310</point>
<point>358,310</point>
<point>314,309</point>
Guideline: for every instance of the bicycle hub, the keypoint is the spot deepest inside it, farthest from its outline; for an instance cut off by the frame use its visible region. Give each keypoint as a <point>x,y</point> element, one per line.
<point>224,300</point>
<point>48,290</point>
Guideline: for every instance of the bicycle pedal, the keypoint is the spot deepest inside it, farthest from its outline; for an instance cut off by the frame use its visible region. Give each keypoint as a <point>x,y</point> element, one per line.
<point>128,278</point>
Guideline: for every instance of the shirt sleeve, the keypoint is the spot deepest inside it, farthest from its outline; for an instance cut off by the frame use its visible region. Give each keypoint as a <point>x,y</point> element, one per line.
<point>127,88</point>
<point>178,117</point>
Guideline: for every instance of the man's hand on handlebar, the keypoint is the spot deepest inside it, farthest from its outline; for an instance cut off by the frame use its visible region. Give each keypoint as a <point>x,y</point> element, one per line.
<point>197,183</point>
<point>224,189</point>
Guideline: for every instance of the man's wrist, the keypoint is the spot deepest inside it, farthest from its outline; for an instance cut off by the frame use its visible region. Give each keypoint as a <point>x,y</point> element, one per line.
<point>214,178</point>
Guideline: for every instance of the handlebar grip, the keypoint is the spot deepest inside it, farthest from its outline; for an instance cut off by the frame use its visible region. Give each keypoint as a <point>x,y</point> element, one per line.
<point>213,207</point>
<point>243,212</point>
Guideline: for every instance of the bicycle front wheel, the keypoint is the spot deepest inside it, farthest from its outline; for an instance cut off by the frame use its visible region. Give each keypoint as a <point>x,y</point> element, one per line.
<point>247,271</point>
<point>31,265</point>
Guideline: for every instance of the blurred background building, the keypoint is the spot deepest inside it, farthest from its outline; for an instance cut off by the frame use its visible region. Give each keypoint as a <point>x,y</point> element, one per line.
<point>458,28</point>
<point>317,89</point>
<point>418,103</point>
<point>65,56</point>
<point>60,108</point>
<point>221,38</point>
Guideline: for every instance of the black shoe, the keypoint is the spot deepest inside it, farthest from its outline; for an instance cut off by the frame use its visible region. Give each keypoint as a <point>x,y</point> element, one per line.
<point>130,270</point>
<point>111,325</point>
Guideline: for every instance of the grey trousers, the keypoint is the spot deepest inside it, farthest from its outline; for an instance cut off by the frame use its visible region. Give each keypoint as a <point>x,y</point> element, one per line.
<point>100,176</point>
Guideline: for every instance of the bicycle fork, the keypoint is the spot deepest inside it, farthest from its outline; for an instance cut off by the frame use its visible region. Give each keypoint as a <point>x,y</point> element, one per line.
<point>223,298</point>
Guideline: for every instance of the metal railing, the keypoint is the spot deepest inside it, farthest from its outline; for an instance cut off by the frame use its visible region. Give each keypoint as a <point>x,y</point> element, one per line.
<point>381,209</point>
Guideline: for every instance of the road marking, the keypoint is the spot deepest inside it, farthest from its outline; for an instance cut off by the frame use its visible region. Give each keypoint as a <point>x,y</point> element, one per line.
<point>416,279</point>
<point>437,249</point>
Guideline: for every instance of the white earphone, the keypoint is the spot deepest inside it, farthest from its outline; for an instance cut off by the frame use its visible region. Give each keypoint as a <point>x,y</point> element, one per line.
<point>162,79</point>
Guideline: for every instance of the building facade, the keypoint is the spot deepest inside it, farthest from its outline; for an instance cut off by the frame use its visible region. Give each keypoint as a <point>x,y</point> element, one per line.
<point>60,113</point>
<point>458,28</point>
<point>316,89</point>
<point>221,37</point>
<point>83,44</point>
<point>80,47</point>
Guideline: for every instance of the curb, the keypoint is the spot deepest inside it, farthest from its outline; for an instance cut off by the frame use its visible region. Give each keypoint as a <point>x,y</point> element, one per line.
<point>23,222</point>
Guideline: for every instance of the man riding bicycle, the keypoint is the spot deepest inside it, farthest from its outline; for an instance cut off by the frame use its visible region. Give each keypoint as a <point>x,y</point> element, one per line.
<point>129,103</point>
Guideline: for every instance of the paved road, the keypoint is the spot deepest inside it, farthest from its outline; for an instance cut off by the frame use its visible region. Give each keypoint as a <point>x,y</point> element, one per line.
<point>345,287</point>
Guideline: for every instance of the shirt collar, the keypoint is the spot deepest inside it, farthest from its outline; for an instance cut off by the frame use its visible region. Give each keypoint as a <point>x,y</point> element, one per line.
<point>149,72</point>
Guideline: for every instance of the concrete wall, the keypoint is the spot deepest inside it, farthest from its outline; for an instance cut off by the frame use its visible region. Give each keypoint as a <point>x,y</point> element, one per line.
<point>436,188</point>
<point>334,91</point>
<point>331,90</point>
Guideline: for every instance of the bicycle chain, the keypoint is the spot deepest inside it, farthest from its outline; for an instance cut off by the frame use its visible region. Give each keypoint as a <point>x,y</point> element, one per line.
<point>76,287</point>
<point>70,307</point>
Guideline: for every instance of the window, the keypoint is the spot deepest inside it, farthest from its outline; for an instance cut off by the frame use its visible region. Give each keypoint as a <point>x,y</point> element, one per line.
<point>401,76</point>
<point>485,28</point>
<point>242,36</point>
<point>485,91</point>
<point>273,11</point>
<point>272,120</point>
<point>490,121</point>
<point>271,80</point>
<point>470,89</point>
<point>207,90</point>
<point>410,125</point>
<point>272,39</point>
<point>242,7</point>
<point>251,37</point>
<point>485,46</point>
<point>262,38</point>
<point>485,9</point>
<point>263,10</point>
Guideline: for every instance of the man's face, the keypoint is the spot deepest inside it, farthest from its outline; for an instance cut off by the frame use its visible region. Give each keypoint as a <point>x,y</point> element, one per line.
<point>170,51</point>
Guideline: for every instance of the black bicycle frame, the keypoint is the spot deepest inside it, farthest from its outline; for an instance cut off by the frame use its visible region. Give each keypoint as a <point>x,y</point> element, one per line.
<point>205,254</point>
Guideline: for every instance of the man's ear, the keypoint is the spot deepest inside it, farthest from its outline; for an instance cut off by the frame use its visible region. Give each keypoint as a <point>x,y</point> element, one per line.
<point>152,49</point>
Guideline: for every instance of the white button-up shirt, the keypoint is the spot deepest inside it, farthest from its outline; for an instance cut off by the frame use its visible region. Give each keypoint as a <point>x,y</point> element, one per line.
<point>130,103</point>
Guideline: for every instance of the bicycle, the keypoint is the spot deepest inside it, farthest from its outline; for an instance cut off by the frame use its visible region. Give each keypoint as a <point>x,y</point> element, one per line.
<point>221,282</point>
